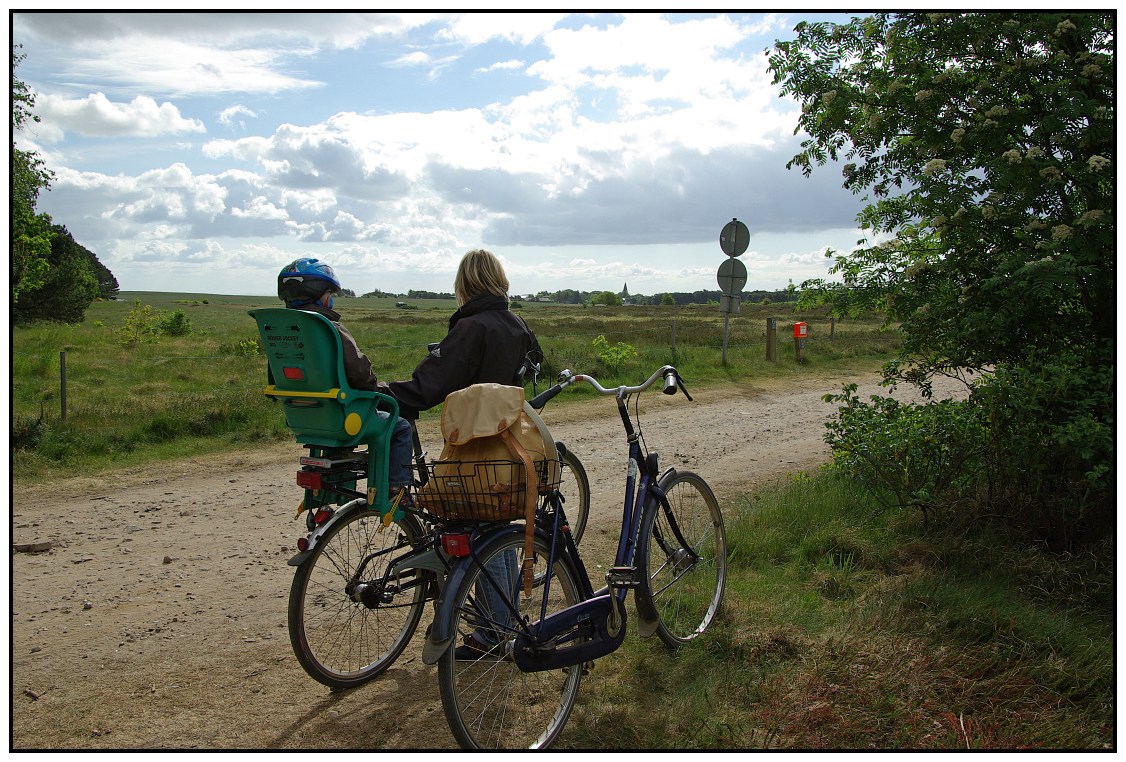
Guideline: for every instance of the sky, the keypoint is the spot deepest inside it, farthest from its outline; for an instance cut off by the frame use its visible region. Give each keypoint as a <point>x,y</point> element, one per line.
<point>201,152</point>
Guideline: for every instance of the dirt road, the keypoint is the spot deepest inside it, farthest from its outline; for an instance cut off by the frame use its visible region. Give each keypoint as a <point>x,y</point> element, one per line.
<point>156,618</point>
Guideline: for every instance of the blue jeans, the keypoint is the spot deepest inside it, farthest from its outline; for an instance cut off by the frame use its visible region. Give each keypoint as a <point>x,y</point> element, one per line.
<point>402,448</point>
<point>504,570</point>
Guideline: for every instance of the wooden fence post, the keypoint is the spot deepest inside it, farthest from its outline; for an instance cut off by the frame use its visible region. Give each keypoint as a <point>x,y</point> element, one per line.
<point>771,339</point>
<point>62,383</point>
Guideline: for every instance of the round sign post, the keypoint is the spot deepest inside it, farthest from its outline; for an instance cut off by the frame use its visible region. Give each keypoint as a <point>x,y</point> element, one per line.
<point>733,240</point>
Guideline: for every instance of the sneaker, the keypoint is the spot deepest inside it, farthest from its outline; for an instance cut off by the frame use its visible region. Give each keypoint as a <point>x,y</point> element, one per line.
<point>402,498</point>
<point>473,650</point>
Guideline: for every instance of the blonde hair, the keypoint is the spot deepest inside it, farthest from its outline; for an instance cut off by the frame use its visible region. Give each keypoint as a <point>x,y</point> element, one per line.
<point>479,273</point>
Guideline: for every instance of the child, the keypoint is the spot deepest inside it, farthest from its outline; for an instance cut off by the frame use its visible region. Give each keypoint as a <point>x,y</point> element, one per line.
<point>309,284</point>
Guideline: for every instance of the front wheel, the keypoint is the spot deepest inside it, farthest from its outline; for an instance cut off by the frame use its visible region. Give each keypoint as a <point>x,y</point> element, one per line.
<point>489,703</point>
<point>341,641</point>
<point>683,553</point>
<point>575,489</point>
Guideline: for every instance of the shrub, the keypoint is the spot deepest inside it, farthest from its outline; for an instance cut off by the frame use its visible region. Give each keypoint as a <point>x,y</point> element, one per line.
<point>141,324</point>
<point>613,357</point>
<point>909,455</point>
<point>175,324</point>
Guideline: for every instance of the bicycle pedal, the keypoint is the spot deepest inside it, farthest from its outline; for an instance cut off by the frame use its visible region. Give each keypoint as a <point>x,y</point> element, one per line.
<point>622,576</point>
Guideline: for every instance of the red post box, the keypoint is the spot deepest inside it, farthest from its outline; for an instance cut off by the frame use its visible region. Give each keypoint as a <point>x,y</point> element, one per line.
<point>801,330</point>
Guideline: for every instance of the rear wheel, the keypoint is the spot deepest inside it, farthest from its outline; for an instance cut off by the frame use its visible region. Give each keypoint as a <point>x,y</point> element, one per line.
<point>683,554</point>
<point>489,703</point>
<point>338,640</point>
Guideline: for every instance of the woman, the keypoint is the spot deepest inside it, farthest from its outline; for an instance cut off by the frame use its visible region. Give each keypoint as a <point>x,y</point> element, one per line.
<point>486,343</point>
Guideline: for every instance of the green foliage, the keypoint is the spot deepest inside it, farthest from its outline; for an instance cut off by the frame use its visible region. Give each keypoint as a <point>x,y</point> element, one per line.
<point>909,455</point>
<point>175,324</point>
<point>31,232</point>
<point>606,298</point>
<point>613,357</point>
<point>1051,447</point>
<point>68,287</point>
<point>985,144</point>
<point>140,325</point>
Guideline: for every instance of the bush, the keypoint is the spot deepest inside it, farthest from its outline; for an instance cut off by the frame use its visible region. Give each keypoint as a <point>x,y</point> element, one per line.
<point>1051,447</point>
<point>613,357</point>
<point>909,455</point>
<point>175,324</point>
<point>141,324</point>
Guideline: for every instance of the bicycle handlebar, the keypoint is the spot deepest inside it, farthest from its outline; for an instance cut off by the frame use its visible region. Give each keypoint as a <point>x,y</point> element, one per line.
<point>673,381</point>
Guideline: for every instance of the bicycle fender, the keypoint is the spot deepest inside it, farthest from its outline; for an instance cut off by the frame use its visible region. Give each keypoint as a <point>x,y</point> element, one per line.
<point>442,635</point>
<point>315,536</point>
<point>647,619</point>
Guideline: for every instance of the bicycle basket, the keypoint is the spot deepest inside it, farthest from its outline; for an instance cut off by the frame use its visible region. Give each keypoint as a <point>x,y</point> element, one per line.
<point>486,490</point>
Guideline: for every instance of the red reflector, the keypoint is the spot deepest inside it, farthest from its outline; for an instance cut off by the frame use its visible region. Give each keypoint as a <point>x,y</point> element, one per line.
<point>309,479</point>
<point>293,374</point>
<point>321,516</point>
<point>456,544</point>
<point>303,544</point>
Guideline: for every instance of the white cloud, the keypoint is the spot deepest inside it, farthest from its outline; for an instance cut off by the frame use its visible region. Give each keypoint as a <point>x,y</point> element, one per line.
<point>510,65</point>
<point>520,28</point>
<point>96,115</point>
<point>229,116</point>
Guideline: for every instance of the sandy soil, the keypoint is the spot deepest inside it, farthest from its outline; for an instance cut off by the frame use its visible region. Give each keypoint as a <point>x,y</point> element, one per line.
<point>157,616</point>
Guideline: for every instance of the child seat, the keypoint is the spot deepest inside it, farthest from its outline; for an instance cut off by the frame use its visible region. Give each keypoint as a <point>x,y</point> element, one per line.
<point>306,375</point>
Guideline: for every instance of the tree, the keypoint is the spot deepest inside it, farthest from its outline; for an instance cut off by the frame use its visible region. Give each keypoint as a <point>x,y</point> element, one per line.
<point>607,298</point>
<point>31,232</point>
<point>70,285</point>
<point>985,146</point>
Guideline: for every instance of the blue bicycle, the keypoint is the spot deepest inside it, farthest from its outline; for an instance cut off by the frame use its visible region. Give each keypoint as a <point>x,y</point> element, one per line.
<point>510,660</point>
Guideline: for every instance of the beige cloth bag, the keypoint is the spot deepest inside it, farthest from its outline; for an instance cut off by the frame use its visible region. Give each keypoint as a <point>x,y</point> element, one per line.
<point>498,456</point>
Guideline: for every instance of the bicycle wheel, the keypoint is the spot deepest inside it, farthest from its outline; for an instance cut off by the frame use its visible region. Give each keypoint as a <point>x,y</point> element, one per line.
<point>683,553</point>
<point>339,641</point>
<point>489,703</point>
<point>575,488</point>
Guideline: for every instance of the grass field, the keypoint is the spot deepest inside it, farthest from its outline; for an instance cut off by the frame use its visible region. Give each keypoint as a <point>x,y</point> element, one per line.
<point>844,628</point>
<point>129,402</point>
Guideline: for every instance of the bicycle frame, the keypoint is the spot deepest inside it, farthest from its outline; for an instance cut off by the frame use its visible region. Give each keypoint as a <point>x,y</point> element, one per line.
<point>595,625</point>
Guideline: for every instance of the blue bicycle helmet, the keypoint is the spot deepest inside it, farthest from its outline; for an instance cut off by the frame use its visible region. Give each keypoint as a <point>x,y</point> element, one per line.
<point>305,280</point>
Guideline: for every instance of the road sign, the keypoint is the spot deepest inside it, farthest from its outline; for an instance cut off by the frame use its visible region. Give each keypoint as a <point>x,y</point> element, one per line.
<point>732,277</point>
<point>734,238</point>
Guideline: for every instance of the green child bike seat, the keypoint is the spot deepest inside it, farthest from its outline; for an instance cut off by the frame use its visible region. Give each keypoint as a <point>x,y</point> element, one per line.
<point>306,375</point>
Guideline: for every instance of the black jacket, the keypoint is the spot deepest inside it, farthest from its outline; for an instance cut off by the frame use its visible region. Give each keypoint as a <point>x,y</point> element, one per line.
<point>486,343</point>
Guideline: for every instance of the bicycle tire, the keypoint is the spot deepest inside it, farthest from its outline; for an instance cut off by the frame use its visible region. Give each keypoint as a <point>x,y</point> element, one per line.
<point>487,700</point>
<point>340,642</point>
<point>575,488</point>
<point>684,596</point>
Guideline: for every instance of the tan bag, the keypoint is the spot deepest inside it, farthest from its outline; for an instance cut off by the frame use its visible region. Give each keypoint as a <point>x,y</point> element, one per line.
<point>497,458</point>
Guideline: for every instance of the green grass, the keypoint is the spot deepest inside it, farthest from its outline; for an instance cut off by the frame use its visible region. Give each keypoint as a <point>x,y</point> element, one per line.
<point>129,404</point>
<point>843,628</point>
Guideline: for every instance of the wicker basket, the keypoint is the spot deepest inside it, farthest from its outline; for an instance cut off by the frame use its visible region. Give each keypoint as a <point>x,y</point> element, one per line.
<point>486,490</point>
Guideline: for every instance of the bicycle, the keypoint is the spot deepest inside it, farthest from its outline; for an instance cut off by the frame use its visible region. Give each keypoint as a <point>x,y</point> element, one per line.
<point>518,688</point>
<point>363,576</point>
